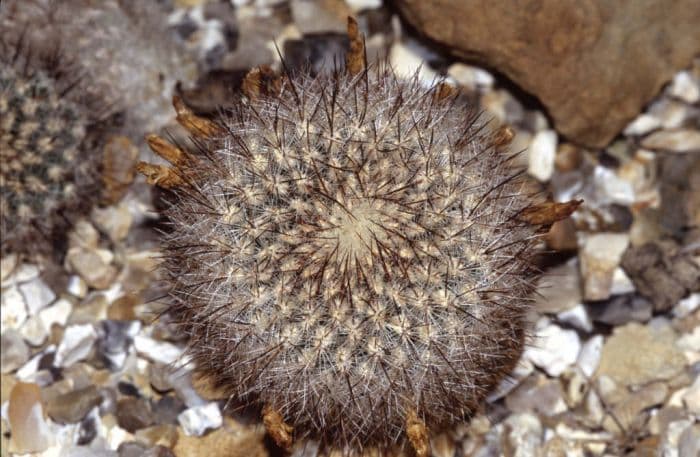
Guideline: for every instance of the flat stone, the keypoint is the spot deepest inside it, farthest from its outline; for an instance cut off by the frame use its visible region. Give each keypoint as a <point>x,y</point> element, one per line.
<point>636,355</point>
<point>600,255</point>
<point>167,408</point>
<point>628,410</point>
<point>470,77</point>
<point>30,431</point>
<point>84,235</point>
<point>197,420</point>
<point>15,352</point>
<point>553,348</point>
<point>57,313</point>
<point>681,140</point>
<point>77,344</point>
<point>37,295</point>
<point>158,435</point>
<point>73,406</point>
<point>567,53</point>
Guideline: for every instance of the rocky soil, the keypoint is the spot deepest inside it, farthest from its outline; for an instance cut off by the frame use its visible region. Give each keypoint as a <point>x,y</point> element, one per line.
<point>613,367</point>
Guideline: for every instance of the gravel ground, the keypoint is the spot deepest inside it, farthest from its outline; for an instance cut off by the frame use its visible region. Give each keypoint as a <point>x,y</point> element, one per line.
<point>613,368</point>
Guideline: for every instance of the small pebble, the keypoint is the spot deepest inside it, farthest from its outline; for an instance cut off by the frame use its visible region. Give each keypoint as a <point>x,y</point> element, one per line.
<point>77,287</point>
<point>642,124</point>
<point>542,153</point>
<point>681,140</point>
<point>91,266</point>
<point>589,358</point>
<point>600,255</point>
<point>30,431</point>
<point>73,406</point>
<point>577,317</point>
<point>685,87</point>
<point>197,420</point>
<point>134,414</point>
<point>553,348</point>
<point>13,310</point>
<point>15,352</point>
<point>156,351</point>
<point>636,355</point>
<point>37,295</point>
<point>77,344</point>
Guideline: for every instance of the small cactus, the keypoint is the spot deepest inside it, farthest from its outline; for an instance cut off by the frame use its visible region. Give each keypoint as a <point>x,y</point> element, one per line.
<point>351,250</point>
<point>44,172</point>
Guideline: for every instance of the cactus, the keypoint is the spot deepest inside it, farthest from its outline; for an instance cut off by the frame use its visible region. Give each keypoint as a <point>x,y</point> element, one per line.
<point>351,250</point>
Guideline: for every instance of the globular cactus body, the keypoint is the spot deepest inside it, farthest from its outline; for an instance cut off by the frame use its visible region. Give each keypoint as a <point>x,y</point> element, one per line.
<point>348,251</point>
<point>40,138</point>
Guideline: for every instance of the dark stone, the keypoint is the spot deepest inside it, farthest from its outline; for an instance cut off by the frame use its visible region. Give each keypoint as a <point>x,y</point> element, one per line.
<point>662,272</point>
<point>134,414</point>
<point>167,408</point>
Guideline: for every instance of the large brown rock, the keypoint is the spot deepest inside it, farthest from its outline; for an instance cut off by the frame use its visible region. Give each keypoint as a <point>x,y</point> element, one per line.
<point>593,63</point>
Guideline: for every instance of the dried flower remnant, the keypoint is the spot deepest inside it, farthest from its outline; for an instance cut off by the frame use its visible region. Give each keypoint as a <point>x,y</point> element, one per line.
<point>352,251</point>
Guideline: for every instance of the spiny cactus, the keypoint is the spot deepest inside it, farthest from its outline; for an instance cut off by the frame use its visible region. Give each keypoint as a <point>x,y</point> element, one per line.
<point>351,250</point>
<point>40,137</point>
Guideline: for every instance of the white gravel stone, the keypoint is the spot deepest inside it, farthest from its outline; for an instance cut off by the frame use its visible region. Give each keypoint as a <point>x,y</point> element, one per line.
<point>691,398</point>
<point>589,358</point>
<point>541,155</point>
<point>156,351</point>
<point>553,349</point>
<point>33,331</point>
<point>37,294</point>
<point>472,78</point>
<point>669,446</point>
<point>610,188</point>
<point>621,283</point>
<point>77,287</point>
<point>195,421</point>
<point>524,434</point>
<point>29,370</point>
<point>15,352</point>
<point>76,344</point>
<point>685,87</point>
<point>577,317</point>
<point>13,310</point>
<point>359,5</point>
<point>642,125</point>
<point>686,306</point>
<point>600,255</point>
<point>407,58</point>
<point>22,273</point>
<point>57,313</point>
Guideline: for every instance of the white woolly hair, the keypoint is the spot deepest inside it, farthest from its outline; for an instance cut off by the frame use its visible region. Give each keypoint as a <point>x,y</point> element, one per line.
<point>349,251</point>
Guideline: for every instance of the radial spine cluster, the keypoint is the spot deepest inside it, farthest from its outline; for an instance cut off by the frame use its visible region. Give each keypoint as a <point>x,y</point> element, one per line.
<point>348,251</point>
